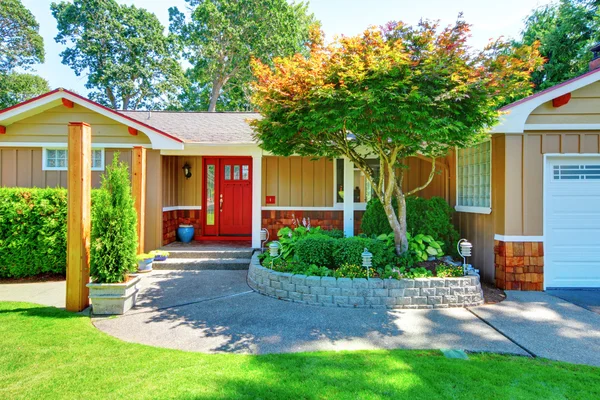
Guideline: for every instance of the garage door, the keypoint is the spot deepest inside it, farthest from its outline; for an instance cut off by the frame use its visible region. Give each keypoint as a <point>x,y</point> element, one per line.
<point>572,223</point>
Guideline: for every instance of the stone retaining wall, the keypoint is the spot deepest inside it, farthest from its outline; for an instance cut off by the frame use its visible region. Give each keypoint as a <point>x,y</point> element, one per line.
<point>424,293</point>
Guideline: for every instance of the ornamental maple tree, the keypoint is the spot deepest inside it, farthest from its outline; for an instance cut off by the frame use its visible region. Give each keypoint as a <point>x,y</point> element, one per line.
<point>390,93</point>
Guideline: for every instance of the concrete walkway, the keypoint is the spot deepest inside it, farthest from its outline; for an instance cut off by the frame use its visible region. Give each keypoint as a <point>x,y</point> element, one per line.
<point>46,293</point>
<point>216,312</point>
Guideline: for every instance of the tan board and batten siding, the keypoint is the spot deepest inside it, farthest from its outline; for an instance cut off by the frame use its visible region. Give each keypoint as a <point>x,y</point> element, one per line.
<point>177,190</point>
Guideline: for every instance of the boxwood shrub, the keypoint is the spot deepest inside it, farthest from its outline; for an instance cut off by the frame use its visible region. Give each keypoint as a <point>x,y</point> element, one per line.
<point>349,251</point>
<point>316,249</point>
<point>33,231</point>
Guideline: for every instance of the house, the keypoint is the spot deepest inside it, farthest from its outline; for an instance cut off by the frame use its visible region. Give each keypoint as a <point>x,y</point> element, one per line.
<point>203,169</point>
<point>528,199</point>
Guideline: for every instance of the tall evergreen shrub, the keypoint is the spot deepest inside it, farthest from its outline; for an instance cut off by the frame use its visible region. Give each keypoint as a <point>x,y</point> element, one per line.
<point>114,227</point>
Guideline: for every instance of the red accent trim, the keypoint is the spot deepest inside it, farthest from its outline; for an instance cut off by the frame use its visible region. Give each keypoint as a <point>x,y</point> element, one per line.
<point>79,124</point>
<point>550,89</point>
<point>95,104</point>
<point>67,103</point>
<point>2,129</point>
<point>132,131</point>
<point>561,100</point>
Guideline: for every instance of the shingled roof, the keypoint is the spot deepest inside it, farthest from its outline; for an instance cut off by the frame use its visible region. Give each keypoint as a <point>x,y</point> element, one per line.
<point>200,127</point>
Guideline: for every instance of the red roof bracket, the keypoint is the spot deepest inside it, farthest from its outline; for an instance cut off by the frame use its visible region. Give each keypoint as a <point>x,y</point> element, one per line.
<point>132,131</point>
<point>67,103</point>
<point>561,100</point>
<point>2,129</point>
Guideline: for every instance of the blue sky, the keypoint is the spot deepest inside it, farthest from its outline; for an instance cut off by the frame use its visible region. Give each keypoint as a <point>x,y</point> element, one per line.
<point>490,19</point>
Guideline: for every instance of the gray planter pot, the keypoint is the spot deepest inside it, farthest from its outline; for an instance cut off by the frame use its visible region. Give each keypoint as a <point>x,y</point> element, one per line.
<point>114,298</point>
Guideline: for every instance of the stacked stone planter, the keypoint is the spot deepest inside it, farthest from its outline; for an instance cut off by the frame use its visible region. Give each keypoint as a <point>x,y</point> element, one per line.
<point>423,293</point>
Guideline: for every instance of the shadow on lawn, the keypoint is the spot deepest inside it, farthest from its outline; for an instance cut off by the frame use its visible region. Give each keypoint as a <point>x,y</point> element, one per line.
<point>43,312</point>
<point>226,317</point>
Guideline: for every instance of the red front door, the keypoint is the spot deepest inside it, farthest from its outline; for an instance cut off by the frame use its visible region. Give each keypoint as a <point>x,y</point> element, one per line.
<point>227,196</point>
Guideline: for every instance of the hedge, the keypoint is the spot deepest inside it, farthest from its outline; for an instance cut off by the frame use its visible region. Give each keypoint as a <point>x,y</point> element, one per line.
<point>33,231</point>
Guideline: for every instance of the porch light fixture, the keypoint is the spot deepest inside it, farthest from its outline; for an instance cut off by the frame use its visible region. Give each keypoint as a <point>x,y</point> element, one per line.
<point>187,171</point>
<point>464,248</point>
<point>274,248</point>
<point>367,260</point>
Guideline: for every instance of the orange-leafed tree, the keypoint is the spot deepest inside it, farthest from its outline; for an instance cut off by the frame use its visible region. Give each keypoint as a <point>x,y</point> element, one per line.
<point>390,93</point>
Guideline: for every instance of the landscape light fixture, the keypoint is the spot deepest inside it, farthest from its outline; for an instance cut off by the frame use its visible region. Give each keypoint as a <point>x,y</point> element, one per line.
<point>464,250</point>
<point>274,248</point>
<point>264,236</point>
<point>367,260</point>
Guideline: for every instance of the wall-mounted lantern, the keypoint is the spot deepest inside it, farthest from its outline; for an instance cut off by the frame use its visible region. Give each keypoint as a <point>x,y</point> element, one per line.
<point>187,171</point>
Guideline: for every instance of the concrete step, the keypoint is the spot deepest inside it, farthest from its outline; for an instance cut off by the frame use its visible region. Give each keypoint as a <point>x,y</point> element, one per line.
<point>211,254</point>
<point>203,263</point>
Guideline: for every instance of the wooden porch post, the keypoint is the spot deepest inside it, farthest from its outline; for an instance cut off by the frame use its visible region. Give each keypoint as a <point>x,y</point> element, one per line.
<point>78,215</point>
<point>138,178</point>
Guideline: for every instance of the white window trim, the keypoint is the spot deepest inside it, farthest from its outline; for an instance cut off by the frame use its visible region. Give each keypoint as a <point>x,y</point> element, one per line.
<point>471,209</point>
<point>45,159</point>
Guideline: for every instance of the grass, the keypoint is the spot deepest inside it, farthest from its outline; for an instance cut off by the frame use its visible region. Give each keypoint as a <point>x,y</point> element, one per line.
<point>49,353</point>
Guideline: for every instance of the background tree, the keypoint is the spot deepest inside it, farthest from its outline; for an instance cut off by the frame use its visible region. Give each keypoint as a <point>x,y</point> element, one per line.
<point>17,87</point>
<point>123,50</point>
<point>21,46</point>
<point>389,93</point>
<point>222,36</point>
<point>566,30</point>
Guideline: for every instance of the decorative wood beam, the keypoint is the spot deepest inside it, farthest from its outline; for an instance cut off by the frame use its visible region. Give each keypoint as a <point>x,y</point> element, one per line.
<point>138,186</point>
<point>79,180</point>
<point>2,130</point>
<point>132,131</point>
<point>67,103</point>
<point>561,100</point>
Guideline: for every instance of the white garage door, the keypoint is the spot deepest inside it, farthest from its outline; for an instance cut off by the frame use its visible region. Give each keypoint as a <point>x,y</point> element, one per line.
<point>572,222</point>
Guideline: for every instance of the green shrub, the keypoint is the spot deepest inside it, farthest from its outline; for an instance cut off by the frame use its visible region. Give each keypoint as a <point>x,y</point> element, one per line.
<point>432,217</point>
<point>424,246</point>
<point>33,232</point>
<point>334,233</point>
<point>114,227</point>
<point>288,238</point>
<point>349,251</point>
<point>316,249</point>
<point>428,216</point>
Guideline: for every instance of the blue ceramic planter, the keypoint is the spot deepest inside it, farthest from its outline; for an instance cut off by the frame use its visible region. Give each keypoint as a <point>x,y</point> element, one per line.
<point>185,233</point>
<point>145,265</point>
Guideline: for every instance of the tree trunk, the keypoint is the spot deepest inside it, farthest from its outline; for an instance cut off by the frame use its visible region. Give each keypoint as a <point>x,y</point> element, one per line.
<point>398,224</point>
<point>214,95</point>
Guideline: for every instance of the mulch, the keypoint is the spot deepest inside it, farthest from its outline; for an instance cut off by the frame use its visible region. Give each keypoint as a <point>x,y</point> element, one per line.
<point>34,279</point>
<point>492,294</point>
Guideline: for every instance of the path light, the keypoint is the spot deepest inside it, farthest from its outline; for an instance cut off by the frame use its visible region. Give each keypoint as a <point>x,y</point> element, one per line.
<point>274,248</point>
<point>264,236</point>
<point>464,250</point>
<point>367,260</point>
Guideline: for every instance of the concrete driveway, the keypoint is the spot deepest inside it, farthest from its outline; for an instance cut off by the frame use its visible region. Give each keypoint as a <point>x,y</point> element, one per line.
<point>586,298</point>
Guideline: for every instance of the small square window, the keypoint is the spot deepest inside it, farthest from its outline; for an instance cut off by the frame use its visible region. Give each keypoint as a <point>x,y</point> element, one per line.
<point>245,174</point>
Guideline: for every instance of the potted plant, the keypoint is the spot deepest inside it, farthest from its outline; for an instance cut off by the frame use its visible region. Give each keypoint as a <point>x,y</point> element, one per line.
<point>160,255</point>
<point>144,262</point>
<point>114,244</point>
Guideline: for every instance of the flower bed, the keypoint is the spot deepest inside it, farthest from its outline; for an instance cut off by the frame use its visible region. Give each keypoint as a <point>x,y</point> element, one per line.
<point>420,293</point>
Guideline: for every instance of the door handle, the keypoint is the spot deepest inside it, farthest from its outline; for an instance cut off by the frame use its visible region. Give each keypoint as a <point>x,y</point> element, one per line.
<point>221,202</point>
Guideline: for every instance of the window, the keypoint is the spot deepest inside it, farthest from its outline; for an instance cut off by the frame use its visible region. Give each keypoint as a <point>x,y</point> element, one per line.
<point>576,172</point>
<point>362,190</point>
<point>57,159</point>
<point>473,172</point>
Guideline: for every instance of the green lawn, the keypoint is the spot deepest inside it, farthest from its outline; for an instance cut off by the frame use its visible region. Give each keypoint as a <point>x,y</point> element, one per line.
<point>49,353</point>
